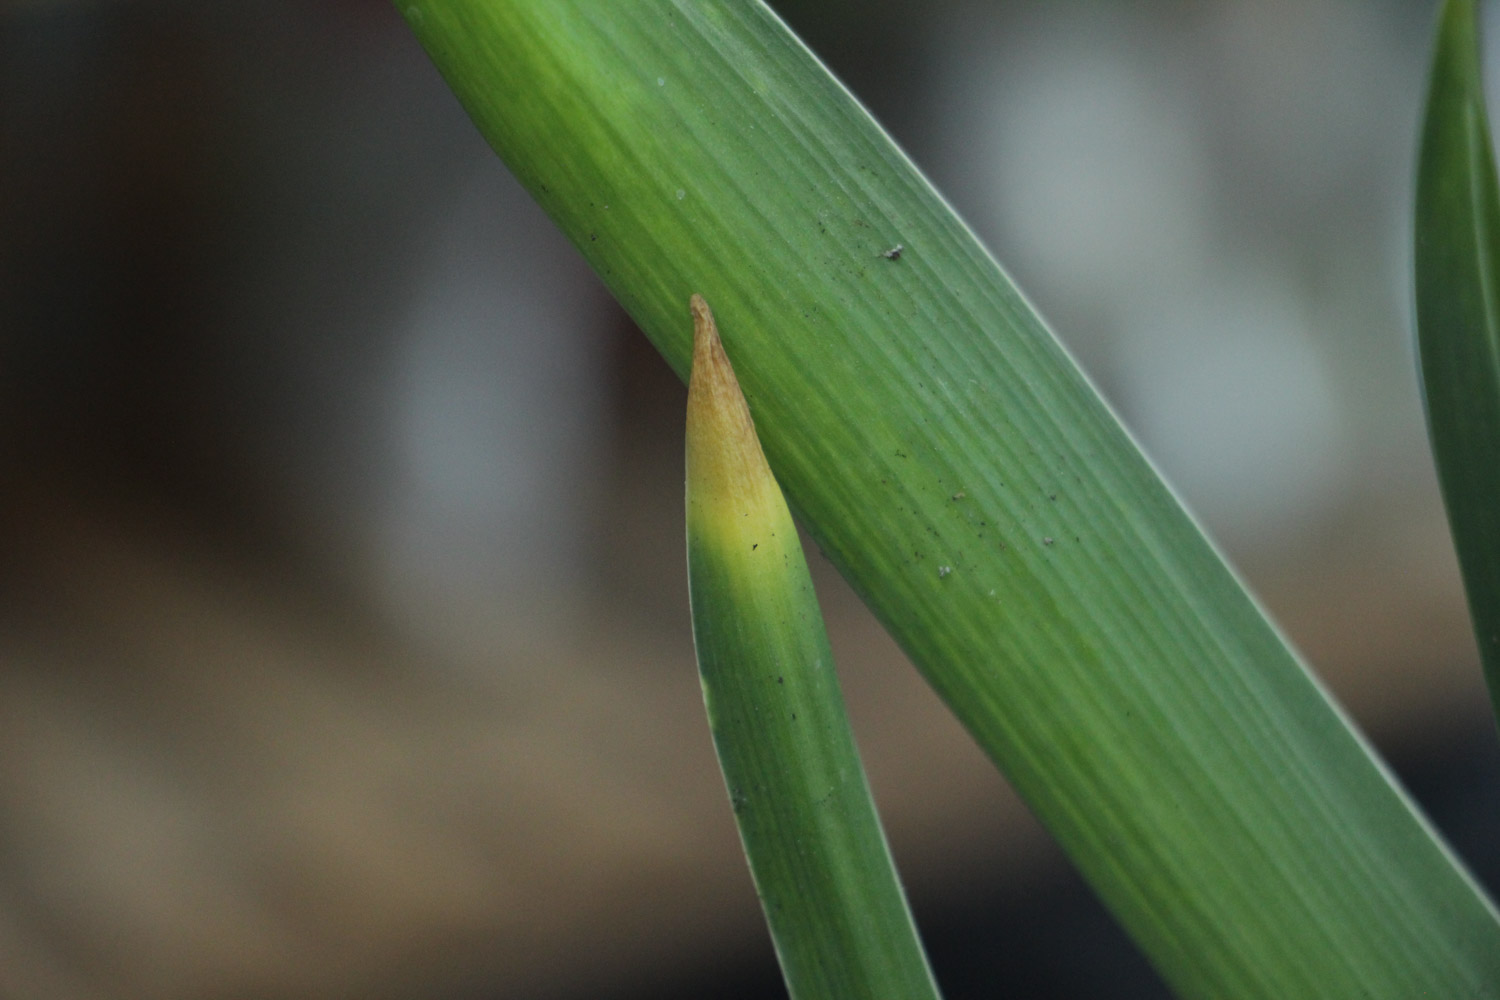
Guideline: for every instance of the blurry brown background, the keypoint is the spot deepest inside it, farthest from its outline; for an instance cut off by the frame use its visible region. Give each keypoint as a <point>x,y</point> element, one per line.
<point>344,646</point>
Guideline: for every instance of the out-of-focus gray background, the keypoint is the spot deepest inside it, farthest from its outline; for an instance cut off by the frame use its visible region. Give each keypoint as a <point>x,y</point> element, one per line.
<point>344,645</point>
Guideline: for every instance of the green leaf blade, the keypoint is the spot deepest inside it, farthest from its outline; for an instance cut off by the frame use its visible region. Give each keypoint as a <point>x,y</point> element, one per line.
<point>1458,315</point>
<point>806,818</point>
<point>920,417</point>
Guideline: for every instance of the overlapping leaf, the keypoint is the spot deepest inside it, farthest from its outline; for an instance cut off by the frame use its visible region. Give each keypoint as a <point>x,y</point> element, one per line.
<point>963,475</point>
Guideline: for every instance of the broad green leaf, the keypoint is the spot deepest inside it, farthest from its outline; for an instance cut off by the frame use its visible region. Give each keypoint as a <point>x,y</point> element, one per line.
<point>950,459</point>
<point>1458,315</point>
<point>825,877</point>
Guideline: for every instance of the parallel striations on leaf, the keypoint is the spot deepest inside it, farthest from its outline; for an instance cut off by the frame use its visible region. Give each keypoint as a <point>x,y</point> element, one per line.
<point>1096,647</point>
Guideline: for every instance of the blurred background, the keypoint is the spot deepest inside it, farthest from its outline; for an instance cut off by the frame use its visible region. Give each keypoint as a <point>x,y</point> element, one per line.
<point>344,645</point>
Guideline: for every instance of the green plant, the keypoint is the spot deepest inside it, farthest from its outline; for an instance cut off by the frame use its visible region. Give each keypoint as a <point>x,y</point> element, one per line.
<point>952,462</point>
<point>821,866</point>
<point>1458,315</point>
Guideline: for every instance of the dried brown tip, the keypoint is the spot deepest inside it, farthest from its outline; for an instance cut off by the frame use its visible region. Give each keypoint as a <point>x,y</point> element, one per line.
<point>706,344</point>
<point>713,380</point>
<point>724,456</point>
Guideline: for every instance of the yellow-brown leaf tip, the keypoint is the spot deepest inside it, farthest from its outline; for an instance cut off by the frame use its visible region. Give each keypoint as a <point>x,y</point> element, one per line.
<point>726,469</point>
<point>714,395</point>
<point>708,349</point>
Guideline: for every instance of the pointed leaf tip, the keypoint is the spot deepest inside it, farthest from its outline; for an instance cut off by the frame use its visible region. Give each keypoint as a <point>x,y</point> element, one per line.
<point>713,391</point>
<point>820,863</point>
<point>727,472</point>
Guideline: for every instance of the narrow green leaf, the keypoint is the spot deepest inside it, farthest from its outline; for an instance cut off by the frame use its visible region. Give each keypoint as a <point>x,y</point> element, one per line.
<point>816,850</point>
<point>1458,315</point>
<point>962,474</point>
